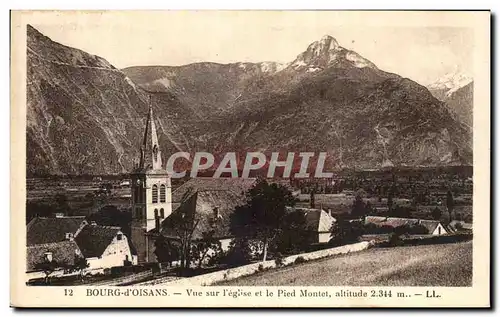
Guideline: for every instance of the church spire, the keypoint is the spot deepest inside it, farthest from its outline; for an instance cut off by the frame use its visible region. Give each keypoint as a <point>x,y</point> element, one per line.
<point>150,148</point>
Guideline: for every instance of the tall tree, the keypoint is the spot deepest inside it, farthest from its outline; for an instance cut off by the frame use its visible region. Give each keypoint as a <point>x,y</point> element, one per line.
<point>184,224</point>
<point>79,265</point>
<point>263,214</point>
<point>312,202</point>
<point>358,209</point>
<point>48,267</point>
<point>390,196</point>
<point>449,203</point>
<point>436,213</point>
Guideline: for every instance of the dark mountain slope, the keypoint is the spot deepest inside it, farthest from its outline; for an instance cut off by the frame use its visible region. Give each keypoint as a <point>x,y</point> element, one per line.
<point>85,116</point>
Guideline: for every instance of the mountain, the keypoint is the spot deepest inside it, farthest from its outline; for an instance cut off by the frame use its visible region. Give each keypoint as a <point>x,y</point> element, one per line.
<point>85,116</point>
<point>456,91</point>
<point>448,84</point>
<point>460,102</point>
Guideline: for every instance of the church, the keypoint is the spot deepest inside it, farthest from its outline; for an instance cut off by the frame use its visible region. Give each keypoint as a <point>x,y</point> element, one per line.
<point>151,193</point>
<point>209,201</point>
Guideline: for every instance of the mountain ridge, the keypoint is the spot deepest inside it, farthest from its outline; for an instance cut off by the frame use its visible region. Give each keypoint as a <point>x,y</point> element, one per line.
<point>86,117</point>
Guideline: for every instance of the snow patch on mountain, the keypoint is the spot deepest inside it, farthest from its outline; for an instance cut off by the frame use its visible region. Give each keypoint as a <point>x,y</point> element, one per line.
<point>357,60</point>
<point>451,82</point>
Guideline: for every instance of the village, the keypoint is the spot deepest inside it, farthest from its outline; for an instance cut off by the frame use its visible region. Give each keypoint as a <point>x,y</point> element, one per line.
<point>147,226</point>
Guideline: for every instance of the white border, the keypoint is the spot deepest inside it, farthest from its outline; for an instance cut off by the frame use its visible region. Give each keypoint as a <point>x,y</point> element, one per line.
<point>214,4</point>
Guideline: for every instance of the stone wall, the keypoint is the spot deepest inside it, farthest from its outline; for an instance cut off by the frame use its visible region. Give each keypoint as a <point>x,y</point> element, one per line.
<point>233,273</point>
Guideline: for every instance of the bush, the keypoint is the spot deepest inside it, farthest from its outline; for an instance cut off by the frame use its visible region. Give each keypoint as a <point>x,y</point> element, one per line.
<point>239,253</point>
<point>299,260</point>
<point>260,268</point>
<point>395,240</point>
<point>279,260</point>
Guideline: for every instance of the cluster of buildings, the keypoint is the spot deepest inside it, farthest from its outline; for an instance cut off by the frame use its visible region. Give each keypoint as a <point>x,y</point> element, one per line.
<point>155,212</point>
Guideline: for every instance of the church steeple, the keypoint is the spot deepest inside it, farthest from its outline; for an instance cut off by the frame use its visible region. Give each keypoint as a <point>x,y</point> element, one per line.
<point>151,193</point>
<point>150,149</point>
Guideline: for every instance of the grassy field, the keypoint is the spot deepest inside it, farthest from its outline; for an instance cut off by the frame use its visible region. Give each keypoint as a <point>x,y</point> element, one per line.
<point>427,265</point>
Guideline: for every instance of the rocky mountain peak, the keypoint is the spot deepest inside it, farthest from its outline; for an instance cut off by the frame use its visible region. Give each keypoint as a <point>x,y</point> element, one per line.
<point>325,53</point>
<point>451,82</point>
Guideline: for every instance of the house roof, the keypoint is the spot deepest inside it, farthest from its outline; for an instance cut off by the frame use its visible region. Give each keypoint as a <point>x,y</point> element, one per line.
<point>94,239</point>
<point>394,222</point>
<point>63,252</point>
<point>316,219</point>
<point>49,230</point>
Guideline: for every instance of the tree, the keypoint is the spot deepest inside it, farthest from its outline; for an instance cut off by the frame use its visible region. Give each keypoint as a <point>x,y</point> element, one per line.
<point>48,267</point>
<point>369,208</point>
<point>358,207</point>
<point>312,199</point>
<point>436,213</point>
<point>184,223</point>
<point>62,204</point>
<point>110,215</point>
<point>390,196</point>
<point>294,236</point>
<point>263,214</point>
<point>344,232</point>
<point>239,253</point>
<point>37,209</point>
<point>449,203</point>
<point>165,251</point>
<point>200,249</point>
<point>79,265</point>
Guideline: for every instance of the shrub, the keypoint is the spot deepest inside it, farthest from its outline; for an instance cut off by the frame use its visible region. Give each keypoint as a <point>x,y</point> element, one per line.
<point>239,253</point>
<point>279,260</point>
<point>260,268</point>
<point>299,260</point>
<point>395,240</point>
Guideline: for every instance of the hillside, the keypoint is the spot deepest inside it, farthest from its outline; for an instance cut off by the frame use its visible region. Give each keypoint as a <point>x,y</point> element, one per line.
<point>460,102</point>
<point>86,117</point>
<point>426,265</point>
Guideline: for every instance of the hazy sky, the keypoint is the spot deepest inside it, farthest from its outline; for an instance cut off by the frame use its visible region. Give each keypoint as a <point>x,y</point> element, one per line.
<point>176,38</point>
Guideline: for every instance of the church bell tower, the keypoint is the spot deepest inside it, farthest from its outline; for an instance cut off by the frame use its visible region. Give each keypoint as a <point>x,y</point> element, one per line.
<point>151,193</point>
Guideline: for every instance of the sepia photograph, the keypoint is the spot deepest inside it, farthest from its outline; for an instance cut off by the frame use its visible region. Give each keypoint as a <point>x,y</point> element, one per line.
<point>240,148</point>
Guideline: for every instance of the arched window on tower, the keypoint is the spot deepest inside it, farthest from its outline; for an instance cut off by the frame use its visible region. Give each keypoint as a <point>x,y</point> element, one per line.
<point>155,194</point>
<point>162,213</point>
<point>156,213</point>
<point>163,193</point>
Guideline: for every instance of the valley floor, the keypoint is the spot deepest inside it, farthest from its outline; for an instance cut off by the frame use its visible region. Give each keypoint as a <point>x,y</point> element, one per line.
<point>427,265</point>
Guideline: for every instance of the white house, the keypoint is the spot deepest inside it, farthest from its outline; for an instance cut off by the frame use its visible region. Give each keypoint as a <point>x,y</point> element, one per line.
<point>104,247</point>
<point>318,222</point>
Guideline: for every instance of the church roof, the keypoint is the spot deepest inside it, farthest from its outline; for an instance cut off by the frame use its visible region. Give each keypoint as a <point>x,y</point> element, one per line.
<point>48,230</point>
<point>199,197</point>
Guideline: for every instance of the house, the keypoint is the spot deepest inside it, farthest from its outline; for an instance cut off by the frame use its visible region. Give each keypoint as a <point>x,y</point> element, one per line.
<point>433,227</point>
<point>104,247</point>
<point>64,253</point>
<point>61,238</point>
<point>318,222</point>
<point>49,230</point>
